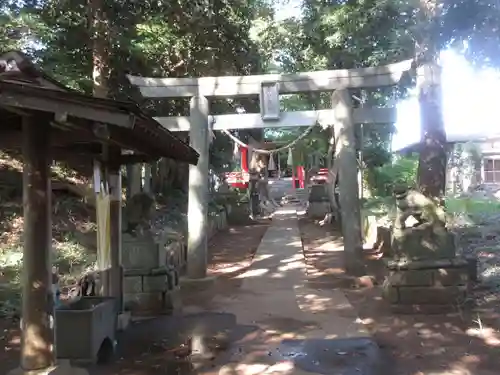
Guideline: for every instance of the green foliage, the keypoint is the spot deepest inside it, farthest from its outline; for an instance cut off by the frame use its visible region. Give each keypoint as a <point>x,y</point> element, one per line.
<point>381,180</point>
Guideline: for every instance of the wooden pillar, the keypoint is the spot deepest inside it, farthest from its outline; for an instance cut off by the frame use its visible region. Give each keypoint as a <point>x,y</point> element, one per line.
<point>198,189</point>
<point>345,155</point>
<point>115,207</point>
<point>37,338</point>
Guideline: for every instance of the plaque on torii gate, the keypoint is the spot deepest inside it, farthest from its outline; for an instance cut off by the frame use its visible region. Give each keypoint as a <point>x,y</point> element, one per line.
<point>270,101</point>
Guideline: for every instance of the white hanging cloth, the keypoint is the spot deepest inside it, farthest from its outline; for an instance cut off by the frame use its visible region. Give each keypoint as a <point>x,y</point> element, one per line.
<point>289,161</point>
<point>236,151</point>
<point>271,166</point>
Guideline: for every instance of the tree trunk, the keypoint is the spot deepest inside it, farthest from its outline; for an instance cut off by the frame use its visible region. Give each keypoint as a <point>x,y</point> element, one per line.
<point>98,25</point>
<point>432,160</point>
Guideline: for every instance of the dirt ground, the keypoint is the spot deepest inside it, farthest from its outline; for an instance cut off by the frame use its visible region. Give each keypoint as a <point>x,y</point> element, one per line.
<point>230,252</point>
<point>462,343</point>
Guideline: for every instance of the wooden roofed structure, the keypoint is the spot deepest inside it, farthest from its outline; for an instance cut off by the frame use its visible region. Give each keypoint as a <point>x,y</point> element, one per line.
<point>46,121</point>
<point>79,123</point>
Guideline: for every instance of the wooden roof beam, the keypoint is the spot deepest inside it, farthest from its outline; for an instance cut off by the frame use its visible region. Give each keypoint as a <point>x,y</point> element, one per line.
<point>17,99</point>
<point>327,80</point>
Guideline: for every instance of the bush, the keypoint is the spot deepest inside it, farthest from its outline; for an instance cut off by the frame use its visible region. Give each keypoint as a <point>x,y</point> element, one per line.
<point>381,180</point>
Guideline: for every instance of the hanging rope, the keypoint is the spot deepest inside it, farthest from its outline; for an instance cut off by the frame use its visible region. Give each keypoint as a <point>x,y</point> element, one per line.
<point>270,152</point>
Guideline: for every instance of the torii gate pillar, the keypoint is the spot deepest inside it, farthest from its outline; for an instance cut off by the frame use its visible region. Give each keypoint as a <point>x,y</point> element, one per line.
<point>198,189</point>
<point>345,155</point>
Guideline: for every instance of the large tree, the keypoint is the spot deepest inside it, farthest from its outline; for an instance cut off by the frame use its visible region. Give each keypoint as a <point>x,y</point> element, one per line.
<point>91,45</point>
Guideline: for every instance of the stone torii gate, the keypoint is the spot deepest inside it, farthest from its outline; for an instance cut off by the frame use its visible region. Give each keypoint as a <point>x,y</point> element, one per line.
<point>269,86</point>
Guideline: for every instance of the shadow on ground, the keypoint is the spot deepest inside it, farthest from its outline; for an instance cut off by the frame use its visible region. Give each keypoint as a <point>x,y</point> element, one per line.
<point>465,342</point>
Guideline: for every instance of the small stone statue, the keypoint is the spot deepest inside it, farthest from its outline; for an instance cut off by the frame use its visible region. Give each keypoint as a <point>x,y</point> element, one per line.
<point>428,236</point>
<point>137,212</point>
<point>412,203</point>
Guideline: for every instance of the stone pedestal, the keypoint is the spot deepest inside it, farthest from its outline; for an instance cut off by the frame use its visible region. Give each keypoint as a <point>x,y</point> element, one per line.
<point>425,274</point>
<point>153,265</point>
<point>425,285</point>
<point>151,273</point>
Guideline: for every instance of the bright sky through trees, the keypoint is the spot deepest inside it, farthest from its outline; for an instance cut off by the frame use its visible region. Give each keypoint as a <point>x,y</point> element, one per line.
<point>470,104</point>
<point>469,96</point>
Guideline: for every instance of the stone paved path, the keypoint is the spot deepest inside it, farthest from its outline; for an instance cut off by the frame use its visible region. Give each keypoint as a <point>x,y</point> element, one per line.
<point>292,328</point>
